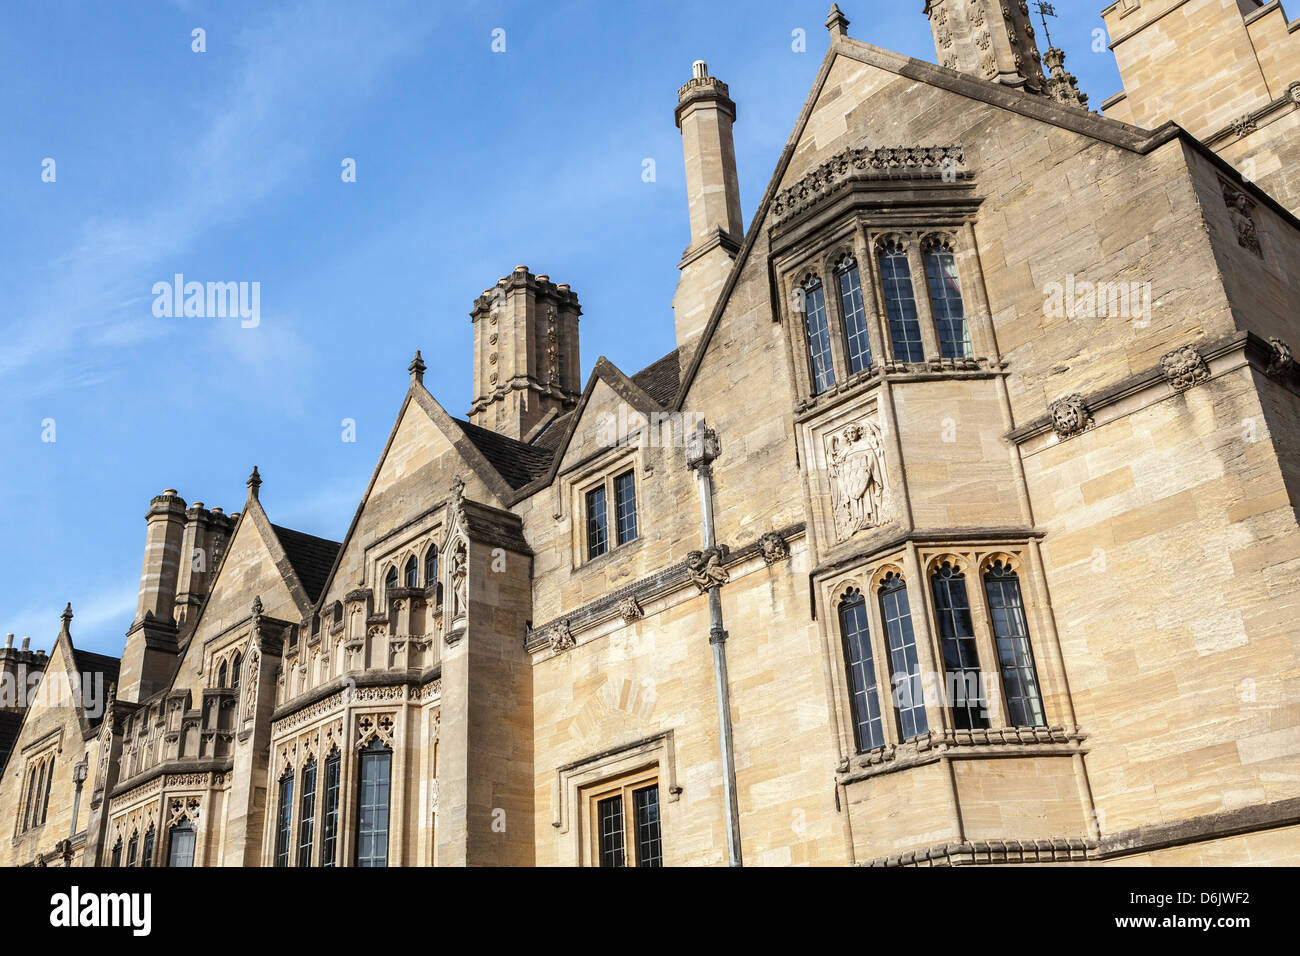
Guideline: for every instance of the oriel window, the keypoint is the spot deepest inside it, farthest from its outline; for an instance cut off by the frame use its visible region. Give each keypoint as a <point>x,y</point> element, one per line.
<point>330,819</point>
<point>868,726</point>
<point>284,819</point>
<point>900,304</point>
<point>904,664</point>
<point>855,315</point>
<point>181,844</point>
<point>963,683</point>
<point>1015,655</point>
<point>819,337</point>
<point>307,813</point>
<point>946,303</point>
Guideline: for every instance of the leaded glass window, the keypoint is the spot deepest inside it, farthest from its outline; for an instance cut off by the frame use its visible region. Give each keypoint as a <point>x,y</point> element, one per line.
<point>431,566</point>
<point>819,336</point>
<point>284,819</point>
<point>649,847</point>
<point>904,664</point>
<point>372,804</point>
<point>597,523</point>
<point>625,507</point>
<point>146,858</point>
<point>390,580</point>
<point>855,316</point>
<point>867,724</point>
<point>117,853</point>
<point>1015,655</point>
<point>181,850</point>
<point>330,821</point>
<point>307,813</point>
<point>412,574</point>
<point>609,816</point>
<point>132,849</point>
<point>962,680</point>
<point>900,304</point>
<point>946,303</point>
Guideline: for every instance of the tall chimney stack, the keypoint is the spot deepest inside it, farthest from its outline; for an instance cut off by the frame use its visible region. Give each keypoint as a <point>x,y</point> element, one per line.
<point>705,114</point>
<point>151,643</point>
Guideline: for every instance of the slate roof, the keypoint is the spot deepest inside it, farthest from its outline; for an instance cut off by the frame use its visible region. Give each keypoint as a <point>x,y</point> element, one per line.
<point>514,461</point>
<point>10,724</point>
<point>661,379</point>
<point>311,557</point>
<point>87,662</point>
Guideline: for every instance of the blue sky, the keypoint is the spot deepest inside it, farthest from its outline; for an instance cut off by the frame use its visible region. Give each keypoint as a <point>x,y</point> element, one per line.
<point>225,166</point>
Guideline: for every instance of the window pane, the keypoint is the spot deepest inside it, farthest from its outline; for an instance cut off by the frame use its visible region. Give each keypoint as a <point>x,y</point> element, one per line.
<point>900,304</point>
<point>307,815</point>
<point>960,658</point>
<point>133,849</point>
<point>819,338</point>
<point>855,317</point>
<point>597,523</point>
<point>946,301</point>
<point>909,697</point>
<point>329,835</point>
<point>867,724</point>
<point>284,820</point>
<point>625,507</point>
<point>372,805</point>
<point>1015,656</point>
<point>146,858</point>
<point>390,579</point>
<point>609,821</point>
<point>236,667</point>
<point>182,845</point>
<point>649,847</point>
<point>412,573</point>
<point>431,567</point>
<point>117,854</point>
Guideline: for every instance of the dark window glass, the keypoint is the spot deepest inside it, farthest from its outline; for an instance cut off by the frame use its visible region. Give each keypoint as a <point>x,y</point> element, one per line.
<point>855,316</point>
<point>31,798</point>
<point>222,675</point>
<point>819,337</point>
<point>431,567</point>
<point>117,853</point>
<point>960,659</point>
<point>146,858</point>
<point>946,302</point>
<point>868,727</point>
<point>372,805</point>
<point>284,819</point>
<point>900,304</point>
<point>236,666</point>
<point>49,785</point>
<point>909,697</point>
<point>412,572</point>
<point>625,507</point>
<point>181,838</point>
<point>649,847</point>
<point>609,819</point>
<point>597,523</point>
<point>132,849</point>
<point>390,579</point>
<point>1015,656</point>
<point>307,814</point>
<point>330,824</point>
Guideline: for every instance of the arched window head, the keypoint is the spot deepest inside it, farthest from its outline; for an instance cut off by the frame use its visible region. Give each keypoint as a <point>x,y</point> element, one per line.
<point>946,301</point>
<point>849,283</point>
<point>904,661</point>
<point>237,665</point>
<point>821,366</point>
<point>412,573</point>
<point>963,682</point>
<point>390,579</point>
<point>431,566</point>
<point>222,675</point>
<point>900,303</point>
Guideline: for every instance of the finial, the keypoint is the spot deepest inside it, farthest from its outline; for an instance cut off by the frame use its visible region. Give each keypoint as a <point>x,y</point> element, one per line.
<point>66,617</point>
<point>837,22</point>
<point>254,482</point>
<point>457,491</point>
<point>416,368</point>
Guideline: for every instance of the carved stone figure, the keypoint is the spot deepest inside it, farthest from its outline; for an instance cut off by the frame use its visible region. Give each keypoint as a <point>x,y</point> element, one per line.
<point>1282,357</point>
<point>1242,212</point>
<point>773,548</point>
<point>705,568</point>
<point>1185,368</point>
<point>630,609</point>
<point>858,484</point>
<point>459,579</point>
<point>560,637</point>
<point>1070,416</point>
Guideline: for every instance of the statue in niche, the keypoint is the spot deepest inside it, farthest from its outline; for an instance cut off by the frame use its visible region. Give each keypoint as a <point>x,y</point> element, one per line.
<point>857,470</point>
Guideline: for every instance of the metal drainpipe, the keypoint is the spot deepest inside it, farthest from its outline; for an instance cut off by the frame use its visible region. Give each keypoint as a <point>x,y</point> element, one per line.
<point>703,447</point>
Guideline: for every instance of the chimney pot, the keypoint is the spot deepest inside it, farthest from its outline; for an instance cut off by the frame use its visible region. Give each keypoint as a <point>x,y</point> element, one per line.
<point>27,643</point>
<point>700,69</point>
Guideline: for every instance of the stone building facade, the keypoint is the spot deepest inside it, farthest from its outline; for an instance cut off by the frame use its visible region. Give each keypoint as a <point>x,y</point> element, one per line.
<point>960,527</point>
